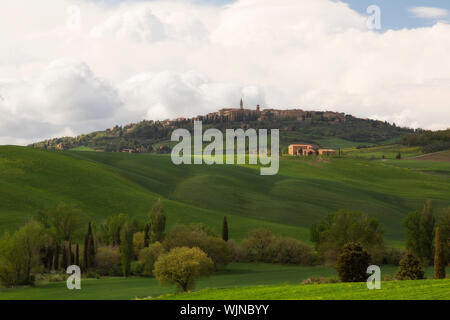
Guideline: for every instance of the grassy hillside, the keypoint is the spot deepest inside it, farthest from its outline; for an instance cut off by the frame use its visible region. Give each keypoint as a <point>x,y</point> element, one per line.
<point>390,290</point>
<point>304,190</point>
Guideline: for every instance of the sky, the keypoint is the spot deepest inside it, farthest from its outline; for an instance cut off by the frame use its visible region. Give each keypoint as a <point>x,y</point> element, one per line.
<point>69,67</point>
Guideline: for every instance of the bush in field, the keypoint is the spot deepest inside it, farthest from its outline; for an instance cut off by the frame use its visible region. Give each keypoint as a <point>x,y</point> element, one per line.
<point>352,263</point>
<point>20,254</point>
<point>147,258</point>
<point>291,251</point>
<point>182,266</point>
<point>392,256</point>
<point>107,261</point>
<point>410,268</point>
<point>236,252</point>
<point>256,246</point>
<point>214,247</point>
<point>335,230</point>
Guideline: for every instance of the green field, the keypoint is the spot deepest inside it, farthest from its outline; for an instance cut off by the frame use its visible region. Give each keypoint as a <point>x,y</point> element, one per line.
<point>237,275</point>
<point>305,190</point>
<point>388,151</point>
<point>390,290</point>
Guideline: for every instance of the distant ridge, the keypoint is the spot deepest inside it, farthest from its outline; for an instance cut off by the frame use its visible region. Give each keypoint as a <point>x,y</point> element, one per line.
<point>324,128</point>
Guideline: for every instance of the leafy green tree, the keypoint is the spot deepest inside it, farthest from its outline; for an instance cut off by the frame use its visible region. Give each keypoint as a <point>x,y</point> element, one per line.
<point>225,229</point>
<point>214,247</point>
<point>157,223</point>
<point>20,254</point>
<point>182,266</point>
<point>66,220</point>
<point>126,249</point>
<point>439,256</point>
<point>420,233</point>
<point>410,268</point>
<point>335,230</point>
<point>148,257</point>
<point>352,263</point>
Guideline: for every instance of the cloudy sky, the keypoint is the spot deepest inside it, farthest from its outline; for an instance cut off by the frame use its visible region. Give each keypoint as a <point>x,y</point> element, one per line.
<point>73,66</point>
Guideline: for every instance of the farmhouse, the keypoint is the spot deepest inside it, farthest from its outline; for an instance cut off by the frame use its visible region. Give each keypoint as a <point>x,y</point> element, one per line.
<point>308,150</point>
<point>301,150</point>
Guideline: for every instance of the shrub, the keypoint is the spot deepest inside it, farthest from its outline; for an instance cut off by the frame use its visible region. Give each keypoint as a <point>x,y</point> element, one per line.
<point>214,247</point>
<point>256,246</point>
<point>147,258</point>
<point>352,263</point>
<point>182,266</point>
<point>236,253</point>
<point>410,268</point>
<point>392,256</point>
<point>291,251</point>
<point>107,261</point>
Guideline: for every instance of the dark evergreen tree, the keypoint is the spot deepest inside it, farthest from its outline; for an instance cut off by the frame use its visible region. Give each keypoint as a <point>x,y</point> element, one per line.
<point>56,258</point>
<point>410,268</point>
<point>64,257</point>
<point>77,255</point>
<point>91,248</point>
<point>157,223</point>
<point>117,237</point>
<point>126,250</point>
<point>439,256</point>
<point>146,235</point>
<point>352,263</point>
<point>85,253</point>
<point>225,229</point>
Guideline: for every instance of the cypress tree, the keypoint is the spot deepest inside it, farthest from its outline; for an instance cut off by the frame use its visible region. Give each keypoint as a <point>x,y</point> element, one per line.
<point>225,229</point>
<point>77,255</point>
<point>427,222</point>
<point>64,257</point>
<point>146,235</point>
<point>157,223</point>
<point>90,248</point>
<point>439,256</point>
<point>117,237</point>
<point>56,258</point>
<point>126,250</point>
<point>70,257</point>
<point>85,253</point>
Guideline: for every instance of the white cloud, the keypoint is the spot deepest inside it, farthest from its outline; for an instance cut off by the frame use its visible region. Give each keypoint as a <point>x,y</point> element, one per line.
<point>169,94</point>
<point>429,12</point>
<point>165,59</point>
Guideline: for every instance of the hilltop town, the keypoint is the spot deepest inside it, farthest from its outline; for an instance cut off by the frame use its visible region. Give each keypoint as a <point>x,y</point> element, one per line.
<point>243,114</point>
<point>295,125</point>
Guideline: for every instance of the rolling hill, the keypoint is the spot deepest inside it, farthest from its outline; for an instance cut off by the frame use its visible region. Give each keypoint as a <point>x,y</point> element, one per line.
<point>304,190</point>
